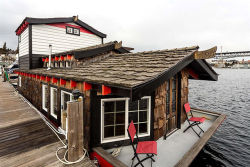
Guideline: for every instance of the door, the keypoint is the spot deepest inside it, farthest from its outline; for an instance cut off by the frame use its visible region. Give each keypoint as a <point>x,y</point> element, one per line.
<point>171,104</point>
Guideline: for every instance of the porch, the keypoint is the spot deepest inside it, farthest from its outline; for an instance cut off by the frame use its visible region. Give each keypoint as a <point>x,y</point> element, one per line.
<point>179,149</point>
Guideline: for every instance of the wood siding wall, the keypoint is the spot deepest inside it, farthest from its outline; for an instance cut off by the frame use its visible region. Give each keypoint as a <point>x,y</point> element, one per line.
<point>24,43</point>
<point>160,105</point>
<point>24,62</point>
<point>43,35</point>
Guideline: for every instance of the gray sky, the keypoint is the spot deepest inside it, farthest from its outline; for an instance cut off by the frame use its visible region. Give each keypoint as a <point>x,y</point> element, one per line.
<point>144,25</point>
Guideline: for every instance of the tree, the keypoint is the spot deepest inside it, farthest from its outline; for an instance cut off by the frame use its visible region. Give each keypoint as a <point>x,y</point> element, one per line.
<point>4,47</point>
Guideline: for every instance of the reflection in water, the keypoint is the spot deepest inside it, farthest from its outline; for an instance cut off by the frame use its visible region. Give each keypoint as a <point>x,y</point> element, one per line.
<point>230,145</point>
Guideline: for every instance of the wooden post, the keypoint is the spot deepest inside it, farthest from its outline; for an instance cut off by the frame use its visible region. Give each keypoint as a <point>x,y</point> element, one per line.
<point>75,130</point>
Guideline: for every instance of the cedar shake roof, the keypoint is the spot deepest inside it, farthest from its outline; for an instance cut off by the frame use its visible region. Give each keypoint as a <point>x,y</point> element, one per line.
<point>95,50</point>
<point>128,71</point>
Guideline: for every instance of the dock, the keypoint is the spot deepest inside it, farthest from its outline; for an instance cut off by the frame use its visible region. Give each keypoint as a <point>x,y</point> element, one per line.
<point>25,140</point>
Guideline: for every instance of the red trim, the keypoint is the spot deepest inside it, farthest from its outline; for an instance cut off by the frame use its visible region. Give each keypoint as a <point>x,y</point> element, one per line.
<point>86,86</point>
<point>72,84</point>
<point>33,75</point>
<point>63,25</point>
<point>43,78</point>
<point>30,75</point>
<point>62,58</point>
<point>52,59</point>
<point>56,58</point>
<point>48,79</point>
<point>47,59</point>
<point>37,76</point>
<point>101,160</point>
<point>62,81</point>
<point>193,74</point>
<point>69,57</point>
<point>43,59</point>
<point>54,80</point>
<point>106,90</point>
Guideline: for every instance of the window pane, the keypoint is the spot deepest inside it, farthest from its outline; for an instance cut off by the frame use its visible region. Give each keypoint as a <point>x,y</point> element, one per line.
<point>119,130</point>
<point>109,131</point>
<point>174,84</point>
<point>109,106</point>
<point>120,105</point>
<point>133,105</point>
<point>173,101</point>
<point>143,116</point>
<point>46,96</point>
<point>55,102</point>
<point>143,128</point>
<point>120,118</point>
<point>133,116</point>
<point>143,104</point>
<point>65,100</point>
<point>109,119</point>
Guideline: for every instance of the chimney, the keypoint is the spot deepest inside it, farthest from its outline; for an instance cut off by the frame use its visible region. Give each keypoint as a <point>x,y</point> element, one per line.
<point>50,52</point>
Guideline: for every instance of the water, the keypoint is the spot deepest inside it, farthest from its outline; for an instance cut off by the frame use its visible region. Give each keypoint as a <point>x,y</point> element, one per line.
<point>230,145</point>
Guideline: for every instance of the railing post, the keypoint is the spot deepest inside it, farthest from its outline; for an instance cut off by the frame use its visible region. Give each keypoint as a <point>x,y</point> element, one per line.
<point>75,130</point>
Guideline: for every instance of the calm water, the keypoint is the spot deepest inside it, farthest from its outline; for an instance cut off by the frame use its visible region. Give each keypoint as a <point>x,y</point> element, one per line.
<point>230,145</point>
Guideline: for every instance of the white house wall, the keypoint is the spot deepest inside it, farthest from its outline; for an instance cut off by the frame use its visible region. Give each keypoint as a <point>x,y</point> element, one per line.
<point>44,35</point>
<point>24,44</point>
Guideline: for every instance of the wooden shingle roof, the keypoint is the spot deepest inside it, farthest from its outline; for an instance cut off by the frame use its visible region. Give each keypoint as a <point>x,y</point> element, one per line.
<point>128,70</point>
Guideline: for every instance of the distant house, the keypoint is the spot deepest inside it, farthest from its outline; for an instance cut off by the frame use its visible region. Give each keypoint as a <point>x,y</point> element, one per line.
<point>36,34</point>
<point>116,86</point>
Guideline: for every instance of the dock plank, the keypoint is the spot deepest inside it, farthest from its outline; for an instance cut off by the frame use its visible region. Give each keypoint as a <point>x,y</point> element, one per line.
<point>25,140</point>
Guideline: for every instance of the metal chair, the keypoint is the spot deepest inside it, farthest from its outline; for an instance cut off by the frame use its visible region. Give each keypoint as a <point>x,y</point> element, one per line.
<point>195,120</point>
<point>149,148</point>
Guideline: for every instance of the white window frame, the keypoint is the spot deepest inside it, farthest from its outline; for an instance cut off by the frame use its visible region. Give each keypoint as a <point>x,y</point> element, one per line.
<point>62,102</point>
<point>52,112</point>
<point>43,97</point>
<point>119,138</point>
<point>20,81</point>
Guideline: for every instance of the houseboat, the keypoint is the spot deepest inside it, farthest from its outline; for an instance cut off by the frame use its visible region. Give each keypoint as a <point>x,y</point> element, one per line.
<point>117,87</point>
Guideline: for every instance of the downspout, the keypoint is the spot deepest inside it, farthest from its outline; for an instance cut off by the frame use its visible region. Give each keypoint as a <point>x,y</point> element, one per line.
<point>50,52</point>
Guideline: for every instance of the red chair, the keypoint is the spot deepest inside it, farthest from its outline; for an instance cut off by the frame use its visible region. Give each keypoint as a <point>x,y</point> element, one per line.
<point>144,147</point>
<point>195,120</point>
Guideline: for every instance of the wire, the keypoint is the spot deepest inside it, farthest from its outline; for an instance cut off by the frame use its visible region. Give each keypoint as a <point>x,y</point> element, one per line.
<point>64,160</point>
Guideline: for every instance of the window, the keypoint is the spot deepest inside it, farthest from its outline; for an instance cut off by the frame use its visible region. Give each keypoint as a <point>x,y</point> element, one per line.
<point>117,113</point>
<point>65,97</point>
<point>45,97</point>
<point>68,64</point>
<point>61,64</point>
<point>56,64</point>
<point>53,102</point>
<point>20,81</point>
<point>72,30</point>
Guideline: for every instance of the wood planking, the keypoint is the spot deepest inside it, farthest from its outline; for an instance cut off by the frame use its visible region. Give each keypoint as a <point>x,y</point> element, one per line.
<point>43,35</point>
<point>24,44</point>
<point>192,153</point>
<point>75,130</point>
<point>25,140</point>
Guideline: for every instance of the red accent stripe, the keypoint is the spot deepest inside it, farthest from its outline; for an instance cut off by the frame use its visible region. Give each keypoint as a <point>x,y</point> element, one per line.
<point>43,78</point>
<point>86,86</point>
<point>62,82</point>
<point>56,58</point>
<point>54,80</point>
<point>106,90</point>
<point>37,76</point>
<point>72,84</point>
<point>48,79</point>
<point>193,74</point>
<point>63,25</point>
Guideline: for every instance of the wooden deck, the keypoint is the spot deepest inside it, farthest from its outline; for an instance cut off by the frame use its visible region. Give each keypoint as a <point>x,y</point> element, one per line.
<point>25,140</point>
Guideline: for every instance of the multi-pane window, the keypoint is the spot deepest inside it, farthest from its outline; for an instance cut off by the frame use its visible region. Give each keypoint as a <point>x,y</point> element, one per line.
<point>167,97</point>
<point>114,118</point>
<point>117,113</point>
<point>65,97</point>
<point>138,112</point>
<point>53,102</point>
<point>72,30</point>
<point>45,97</point>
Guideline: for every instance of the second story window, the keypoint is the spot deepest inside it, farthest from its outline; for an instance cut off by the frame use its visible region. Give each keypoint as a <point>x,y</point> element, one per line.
<point>72,30</point>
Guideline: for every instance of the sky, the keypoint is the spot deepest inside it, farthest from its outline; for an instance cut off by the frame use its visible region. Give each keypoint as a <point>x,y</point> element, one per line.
<point>143,24</point>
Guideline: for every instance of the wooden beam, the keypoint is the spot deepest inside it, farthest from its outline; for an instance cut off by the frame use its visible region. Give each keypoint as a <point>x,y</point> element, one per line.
<point>206,54</point>
<point>75,130</point>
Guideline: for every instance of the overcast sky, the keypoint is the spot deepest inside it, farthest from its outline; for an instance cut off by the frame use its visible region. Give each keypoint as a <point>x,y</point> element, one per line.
<point>144,25</point>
